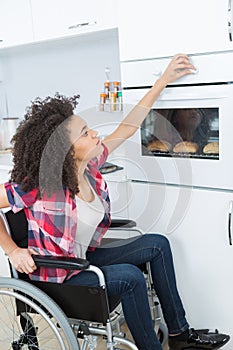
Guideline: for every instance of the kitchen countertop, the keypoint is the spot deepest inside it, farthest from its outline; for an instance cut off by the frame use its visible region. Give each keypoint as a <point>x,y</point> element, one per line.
<point>118,176</point>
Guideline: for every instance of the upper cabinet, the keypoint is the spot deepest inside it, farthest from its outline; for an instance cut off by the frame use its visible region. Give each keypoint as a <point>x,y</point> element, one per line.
<point>15,23</point>
<point>28,21</point>
<point>149,28</point>
<point>60,18</point>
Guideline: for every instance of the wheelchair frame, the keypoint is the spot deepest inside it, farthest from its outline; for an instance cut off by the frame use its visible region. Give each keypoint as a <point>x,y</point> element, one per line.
<point>43,305</point>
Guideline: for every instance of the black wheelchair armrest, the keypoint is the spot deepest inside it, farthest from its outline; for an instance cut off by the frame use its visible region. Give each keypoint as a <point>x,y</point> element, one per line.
<point>122,223</point>
<point>67,263</point>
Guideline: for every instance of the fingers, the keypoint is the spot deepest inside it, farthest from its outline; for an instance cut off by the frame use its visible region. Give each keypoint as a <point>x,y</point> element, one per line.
<point>26,268</point>
<point>181,66</point>
<point>180,57</point>
<point>183,62</point>
<point>23,261</point>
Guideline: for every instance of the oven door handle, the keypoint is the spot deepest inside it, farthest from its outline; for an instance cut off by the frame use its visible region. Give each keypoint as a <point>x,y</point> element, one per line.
<point>229,12</point>
<point>230,222</point>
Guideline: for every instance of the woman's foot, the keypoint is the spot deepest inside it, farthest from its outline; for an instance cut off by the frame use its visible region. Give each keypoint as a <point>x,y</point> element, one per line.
<point>198,339</point>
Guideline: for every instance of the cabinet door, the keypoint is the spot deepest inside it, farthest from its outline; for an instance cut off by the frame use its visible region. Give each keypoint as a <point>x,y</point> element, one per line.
<point>149,29</point>
<point>59,18</point>
<point>196,223</point>
<point>15,23</point>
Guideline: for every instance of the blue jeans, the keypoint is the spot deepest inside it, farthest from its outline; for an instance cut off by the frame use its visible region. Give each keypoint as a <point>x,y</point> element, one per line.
<point>125,279</point>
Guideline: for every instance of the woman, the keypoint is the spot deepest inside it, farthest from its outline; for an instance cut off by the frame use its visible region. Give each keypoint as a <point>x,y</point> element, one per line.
<point>56,181</point>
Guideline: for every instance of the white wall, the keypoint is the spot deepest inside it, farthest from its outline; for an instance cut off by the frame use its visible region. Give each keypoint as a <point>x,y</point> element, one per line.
<point>69,66</point>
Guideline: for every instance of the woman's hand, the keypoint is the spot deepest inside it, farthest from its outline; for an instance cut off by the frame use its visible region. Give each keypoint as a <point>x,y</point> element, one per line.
<point>178,67</point>
<point>22,260</point>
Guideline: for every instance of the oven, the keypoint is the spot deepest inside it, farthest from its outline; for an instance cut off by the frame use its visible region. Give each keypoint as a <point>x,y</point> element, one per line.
<point>186,138</point>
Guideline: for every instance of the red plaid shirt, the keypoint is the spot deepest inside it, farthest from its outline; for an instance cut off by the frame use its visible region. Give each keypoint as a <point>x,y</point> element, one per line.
<point>52,221</point>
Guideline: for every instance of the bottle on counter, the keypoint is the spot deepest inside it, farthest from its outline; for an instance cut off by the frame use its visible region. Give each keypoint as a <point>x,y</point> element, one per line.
<point>113,101</point>
<point>116,86</point>
<point>120,101</point>
<point>103,97</point>
<point>107,85</point>
<point>107,105</point>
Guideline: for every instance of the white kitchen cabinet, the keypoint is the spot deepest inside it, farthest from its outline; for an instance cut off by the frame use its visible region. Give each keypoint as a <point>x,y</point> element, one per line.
<point>59,18</point>
<point>196,223</point>
<point>15,23</point>
<point>150,29</point>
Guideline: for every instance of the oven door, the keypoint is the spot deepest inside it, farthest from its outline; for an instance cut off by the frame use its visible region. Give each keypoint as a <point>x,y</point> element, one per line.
<point>186,139</point>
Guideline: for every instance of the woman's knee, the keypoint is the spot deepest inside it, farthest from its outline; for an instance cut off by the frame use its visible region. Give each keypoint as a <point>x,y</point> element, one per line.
<point>132,276</point>
<point>158,241</point>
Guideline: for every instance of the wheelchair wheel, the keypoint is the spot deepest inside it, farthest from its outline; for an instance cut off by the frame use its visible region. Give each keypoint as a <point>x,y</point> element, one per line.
<point>29,319</point>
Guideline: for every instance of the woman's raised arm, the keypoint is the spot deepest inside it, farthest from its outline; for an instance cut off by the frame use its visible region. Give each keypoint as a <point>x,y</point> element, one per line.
<point>178,67</point>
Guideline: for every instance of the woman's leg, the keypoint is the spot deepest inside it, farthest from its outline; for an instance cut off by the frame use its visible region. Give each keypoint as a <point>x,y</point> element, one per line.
<point>153,248</point>
<point>128,282</point>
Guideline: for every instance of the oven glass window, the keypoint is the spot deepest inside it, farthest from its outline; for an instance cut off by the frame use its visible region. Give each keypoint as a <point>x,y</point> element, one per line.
<point>181,132</point>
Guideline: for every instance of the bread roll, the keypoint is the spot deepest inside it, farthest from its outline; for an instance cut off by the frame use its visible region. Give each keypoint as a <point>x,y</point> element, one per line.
<point>185,147</point>
<point>157,145</point>
<point>212,147</point>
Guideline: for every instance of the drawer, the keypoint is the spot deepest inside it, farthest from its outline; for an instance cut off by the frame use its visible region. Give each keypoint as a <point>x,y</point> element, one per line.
<point>211,68</point>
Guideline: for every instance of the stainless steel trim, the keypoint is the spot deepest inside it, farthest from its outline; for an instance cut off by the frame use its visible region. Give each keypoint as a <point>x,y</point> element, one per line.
<point>134,229</point>
<point>194,187</point>
<point>5,223</point>
<point>170,57</point>
<point>99,273</point>
<point>230,222</point>
<point>229,12</point>
<point>80,25</point>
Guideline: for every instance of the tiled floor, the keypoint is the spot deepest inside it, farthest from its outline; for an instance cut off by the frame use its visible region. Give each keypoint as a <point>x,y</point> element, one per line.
<point>102,343</point>
<point>8,307</point>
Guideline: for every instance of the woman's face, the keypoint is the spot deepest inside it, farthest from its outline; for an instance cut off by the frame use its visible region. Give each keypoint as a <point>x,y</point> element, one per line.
<point>188,119</point>
<point>85,141</point>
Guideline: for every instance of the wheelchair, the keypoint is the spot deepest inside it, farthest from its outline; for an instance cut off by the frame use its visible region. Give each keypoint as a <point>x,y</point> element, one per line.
<point>39,315</point>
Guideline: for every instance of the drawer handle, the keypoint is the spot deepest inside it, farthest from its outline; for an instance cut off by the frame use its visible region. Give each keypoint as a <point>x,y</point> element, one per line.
<point>84,24</point>
<point>230,19</point>
<point>230,222</point>
<point>157,73</point>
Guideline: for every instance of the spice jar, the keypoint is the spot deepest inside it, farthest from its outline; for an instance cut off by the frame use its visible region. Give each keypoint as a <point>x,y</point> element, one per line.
<point>116,86</point>
<point>103,97</point>
<point>120,101</point>
<point>107,88</point>
<point>113,100</point>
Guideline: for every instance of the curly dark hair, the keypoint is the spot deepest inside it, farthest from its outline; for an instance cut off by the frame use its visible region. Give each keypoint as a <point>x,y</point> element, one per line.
<point>43,156</point>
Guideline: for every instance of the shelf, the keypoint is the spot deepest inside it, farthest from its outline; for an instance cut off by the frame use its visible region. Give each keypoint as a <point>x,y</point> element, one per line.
<point>109,107</point>
<point>5,151</point>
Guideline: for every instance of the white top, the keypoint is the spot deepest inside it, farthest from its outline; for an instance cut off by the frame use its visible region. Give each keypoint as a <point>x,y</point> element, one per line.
<point>89,215</point>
